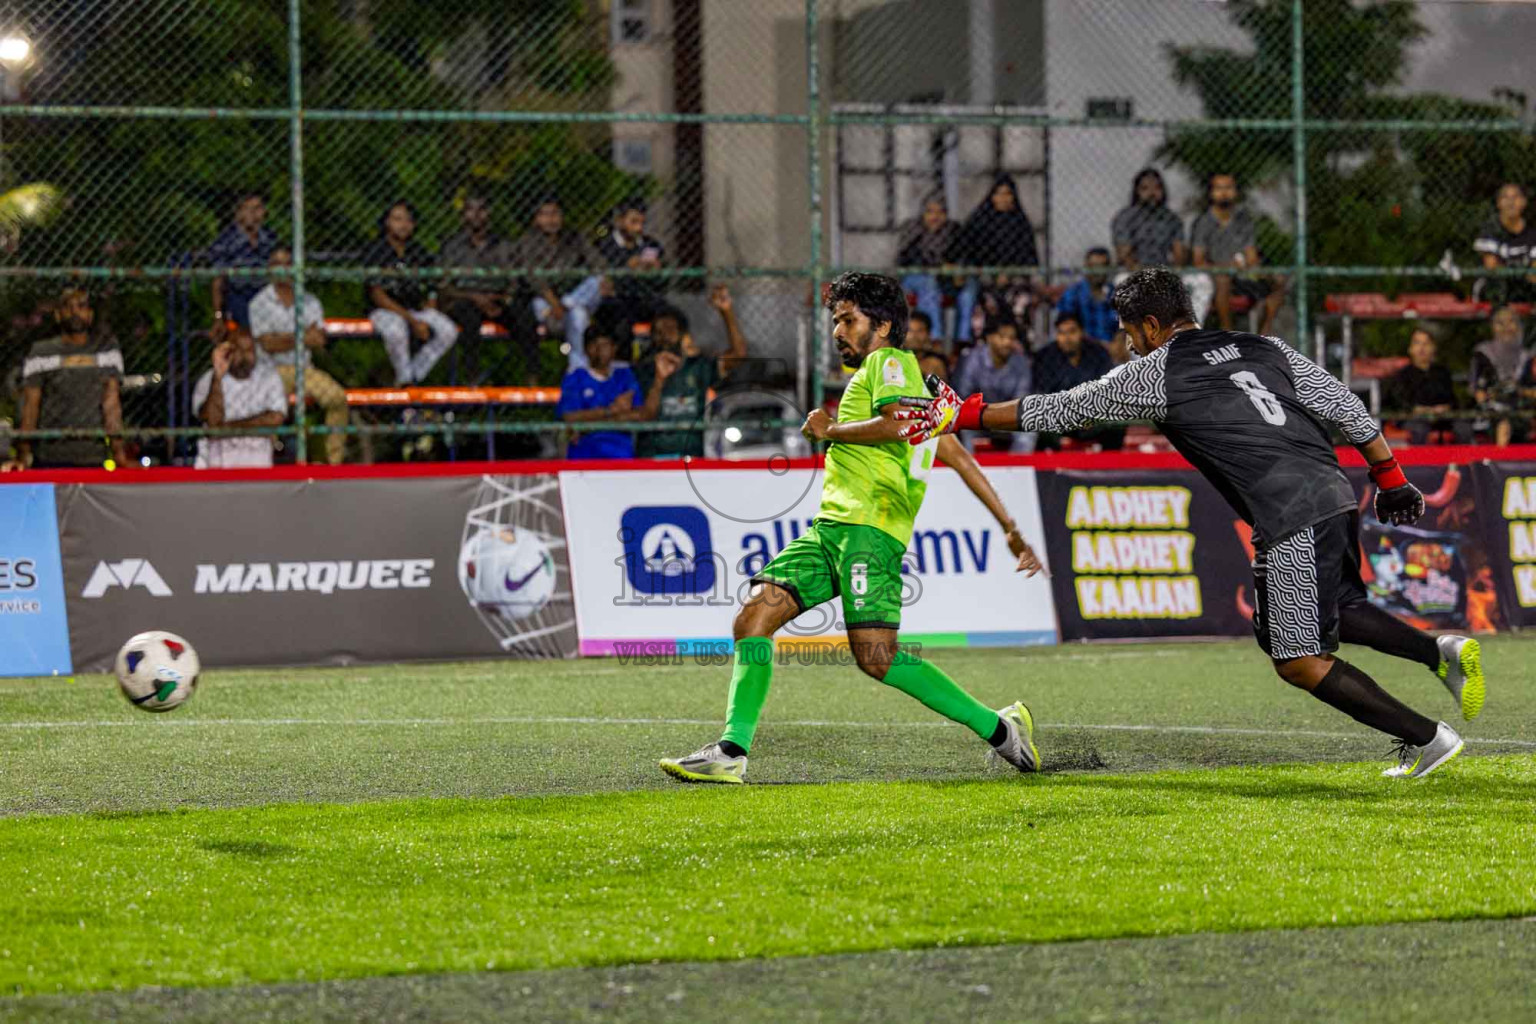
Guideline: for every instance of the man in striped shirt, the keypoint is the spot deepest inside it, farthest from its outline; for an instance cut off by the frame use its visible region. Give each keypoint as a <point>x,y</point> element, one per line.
<point>72,380</point>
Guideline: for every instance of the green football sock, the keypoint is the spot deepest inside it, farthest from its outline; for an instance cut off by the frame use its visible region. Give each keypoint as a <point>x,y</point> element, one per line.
<point>749,689</point>
<point>928,683</point>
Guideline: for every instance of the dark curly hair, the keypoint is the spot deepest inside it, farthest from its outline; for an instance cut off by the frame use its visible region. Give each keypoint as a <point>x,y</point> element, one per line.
<point>1156,292</point>
<point>878,297</point>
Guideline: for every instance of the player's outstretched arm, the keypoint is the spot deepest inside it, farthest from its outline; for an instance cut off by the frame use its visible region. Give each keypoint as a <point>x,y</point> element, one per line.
<point>1131,391</point>
<point>1325,396</point>
<point>954,455</point>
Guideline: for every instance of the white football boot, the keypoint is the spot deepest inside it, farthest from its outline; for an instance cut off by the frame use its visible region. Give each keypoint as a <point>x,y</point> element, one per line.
<point>1019,748</point>
<point>1461,670</point>
<point>707,764</point>
<point>1416,762</point>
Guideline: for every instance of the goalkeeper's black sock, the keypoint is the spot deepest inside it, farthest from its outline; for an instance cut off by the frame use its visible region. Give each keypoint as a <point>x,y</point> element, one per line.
<point>1356,694</point>
<point>1000,734</point>
<point>1369,626</point>
<point>730,749</point>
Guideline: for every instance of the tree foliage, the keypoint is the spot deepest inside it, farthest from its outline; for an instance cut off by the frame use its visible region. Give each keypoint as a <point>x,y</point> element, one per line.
<point>1374,198</point>
<point>141,191</point>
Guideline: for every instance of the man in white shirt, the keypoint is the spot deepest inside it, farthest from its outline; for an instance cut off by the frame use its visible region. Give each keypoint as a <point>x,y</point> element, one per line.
<point>241,390</point>
<point>271,317</point>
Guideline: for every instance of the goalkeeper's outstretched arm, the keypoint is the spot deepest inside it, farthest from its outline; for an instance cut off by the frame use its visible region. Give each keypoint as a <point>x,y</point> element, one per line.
<point>1131,391</point>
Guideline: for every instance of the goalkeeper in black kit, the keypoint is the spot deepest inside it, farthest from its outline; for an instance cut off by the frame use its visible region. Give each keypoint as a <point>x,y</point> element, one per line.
<point>1251,414</point>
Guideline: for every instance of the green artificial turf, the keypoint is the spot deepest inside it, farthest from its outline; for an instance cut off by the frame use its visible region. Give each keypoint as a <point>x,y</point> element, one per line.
<point>1387,974</point>
<point>510,727</point>
<point>294,826</point>
<point>313,891</point>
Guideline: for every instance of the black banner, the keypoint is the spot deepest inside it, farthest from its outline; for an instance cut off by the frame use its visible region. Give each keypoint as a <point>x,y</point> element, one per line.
<point>1436,574</point>
<point>307,572</point>
<point>1507,491</point>
<point>1138,554</point>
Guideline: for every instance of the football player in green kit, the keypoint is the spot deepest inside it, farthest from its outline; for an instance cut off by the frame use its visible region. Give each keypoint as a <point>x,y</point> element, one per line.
<point>873,486</point>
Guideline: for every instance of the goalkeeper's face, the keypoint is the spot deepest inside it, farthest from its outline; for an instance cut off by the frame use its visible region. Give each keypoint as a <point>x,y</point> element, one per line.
<point>854,335</point>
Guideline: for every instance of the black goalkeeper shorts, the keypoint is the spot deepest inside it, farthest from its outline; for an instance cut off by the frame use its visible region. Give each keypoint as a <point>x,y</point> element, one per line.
<point>1301,582</point>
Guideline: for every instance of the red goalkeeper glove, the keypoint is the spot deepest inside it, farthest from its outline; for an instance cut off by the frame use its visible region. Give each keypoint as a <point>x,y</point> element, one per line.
<point>945,413</point>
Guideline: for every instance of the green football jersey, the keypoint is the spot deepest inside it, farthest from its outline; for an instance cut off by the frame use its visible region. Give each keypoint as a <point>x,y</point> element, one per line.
<point>879,485</point>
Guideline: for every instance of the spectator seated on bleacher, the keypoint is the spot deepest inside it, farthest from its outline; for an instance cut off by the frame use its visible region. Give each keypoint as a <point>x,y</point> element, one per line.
<point>628,247</point>
<point>401,308</point>
<point>1074,359</point>
<point>272,320</point>
<point>1508,239</point>
<point>1091,299</point>
<point>999,370</point>
<point>930,241</point>
<point>472,302</point>
<point>997,233</point>
<point>677,376</point>
<point>1424,390</point>
<point>600,391</point>
<point>246,243</point>
<point>919,331</point>
<point>1147,233</point>
<point>1497,366</point>
<point>240,390</point>
<point>564,303</point>
<point>1225,235</point>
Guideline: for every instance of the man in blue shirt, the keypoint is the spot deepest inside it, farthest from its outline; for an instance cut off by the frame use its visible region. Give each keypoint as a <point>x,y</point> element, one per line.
<point>599,391</point>
<point>1090,300</point>
<point>246,243</point>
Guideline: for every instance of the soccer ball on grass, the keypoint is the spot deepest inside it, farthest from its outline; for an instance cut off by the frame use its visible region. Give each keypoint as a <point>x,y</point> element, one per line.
<point>157,671</point>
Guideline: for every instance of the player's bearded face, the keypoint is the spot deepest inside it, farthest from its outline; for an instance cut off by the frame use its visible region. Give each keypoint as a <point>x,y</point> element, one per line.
<point>853,334</point>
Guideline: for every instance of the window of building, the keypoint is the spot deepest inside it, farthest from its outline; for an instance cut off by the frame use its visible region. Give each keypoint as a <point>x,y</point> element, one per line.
<point>631,21</point>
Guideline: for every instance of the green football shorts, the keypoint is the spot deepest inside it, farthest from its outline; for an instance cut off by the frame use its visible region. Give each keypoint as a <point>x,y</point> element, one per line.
<point>860,564</point>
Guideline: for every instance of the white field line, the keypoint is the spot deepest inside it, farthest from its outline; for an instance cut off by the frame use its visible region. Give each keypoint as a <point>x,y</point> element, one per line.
<point>611,667</point>
<point>166,723</point>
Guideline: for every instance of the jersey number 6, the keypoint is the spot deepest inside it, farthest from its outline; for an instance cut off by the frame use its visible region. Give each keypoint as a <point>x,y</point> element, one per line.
<point>1262,398</point>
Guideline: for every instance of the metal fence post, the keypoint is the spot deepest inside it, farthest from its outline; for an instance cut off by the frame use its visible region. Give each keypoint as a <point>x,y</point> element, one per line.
<point>1299,154</point>
<point>813,172</point>
<point>296,174</point>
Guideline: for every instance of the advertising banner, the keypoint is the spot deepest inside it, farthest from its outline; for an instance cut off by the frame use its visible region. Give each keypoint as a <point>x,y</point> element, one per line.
<point>664,558</point>
<point>1138,553</point>
<point>1435,574</point>
<point>306,572</point>
<point>34,635</point>
<point>1507,491</point>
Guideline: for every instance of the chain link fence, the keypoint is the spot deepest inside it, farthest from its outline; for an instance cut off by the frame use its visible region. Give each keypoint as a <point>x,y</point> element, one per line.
<point>464,186</point>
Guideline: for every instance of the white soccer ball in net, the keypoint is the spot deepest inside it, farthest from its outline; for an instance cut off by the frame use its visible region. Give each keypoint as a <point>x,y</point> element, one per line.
<point>506,572</point>
<point>157,671</point>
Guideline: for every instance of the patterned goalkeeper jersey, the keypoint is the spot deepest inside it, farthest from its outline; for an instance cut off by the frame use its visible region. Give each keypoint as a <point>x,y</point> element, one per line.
<point>1249,412</point>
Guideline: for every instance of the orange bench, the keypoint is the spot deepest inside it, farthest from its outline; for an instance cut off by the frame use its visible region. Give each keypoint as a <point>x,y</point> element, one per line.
<point>452,396</point>
<point>362,327</point>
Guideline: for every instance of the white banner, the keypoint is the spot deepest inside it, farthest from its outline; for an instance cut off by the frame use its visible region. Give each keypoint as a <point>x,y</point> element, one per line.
<point>705,532</point>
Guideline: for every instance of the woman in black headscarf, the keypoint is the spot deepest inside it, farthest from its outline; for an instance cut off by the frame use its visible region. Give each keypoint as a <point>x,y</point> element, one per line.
<point>998,232</point>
